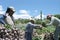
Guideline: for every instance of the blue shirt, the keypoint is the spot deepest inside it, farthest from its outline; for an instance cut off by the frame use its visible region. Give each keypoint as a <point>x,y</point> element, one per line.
<point>2,19</point>
<point>30,26</point>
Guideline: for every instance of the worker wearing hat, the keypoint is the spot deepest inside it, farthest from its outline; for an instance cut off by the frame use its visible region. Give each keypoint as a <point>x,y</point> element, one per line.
<point>8,17</point>
<point>56,22</point>
<point>29,29</point>
<point>10,10</point>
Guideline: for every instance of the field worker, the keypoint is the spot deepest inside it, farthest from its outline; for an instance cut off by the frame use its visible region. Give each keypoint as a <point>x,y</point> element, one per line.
<point>29,29</point>
<point>8,17</point>
<point>56,22</point>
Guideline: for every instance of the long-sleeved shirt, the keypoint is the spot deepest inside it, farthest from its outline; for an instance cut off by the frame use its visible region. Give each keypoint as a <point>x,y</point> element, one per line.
<point>30,26</point>
<point>6,19</point>
<point>55,21</point>
<point>9,19</point>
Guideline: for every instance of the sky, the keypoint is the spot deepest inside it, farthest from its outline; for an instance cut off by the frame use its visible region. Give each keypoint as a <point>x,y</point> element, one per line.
<point>28,8</point>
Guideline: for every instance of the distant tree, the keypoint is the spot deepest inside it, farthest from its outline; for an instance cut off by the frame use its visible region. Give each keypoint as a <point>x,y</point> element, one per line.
<point>38,21</point>
<point>57,15</point>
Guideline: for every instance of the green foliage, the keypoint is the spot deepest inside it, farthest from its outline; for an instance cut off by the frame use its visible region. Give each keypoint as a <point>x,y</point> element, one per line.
<point>45,29</point>
<point>48,29</point>
<point>21,21</point>
<point>36,38</point>
<point>17,21</point>
<point>26,21</point>
<point>43,24</point>
<point>57,15</point>
<point>22,28</point>
<point>8,26</point>
<point>38,21</point>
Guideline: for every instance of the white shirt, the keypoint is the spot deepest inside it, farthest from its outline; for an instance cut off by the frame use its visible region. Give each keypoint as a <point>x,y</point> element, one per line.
<point>55,21</point>
<point>9,20</point>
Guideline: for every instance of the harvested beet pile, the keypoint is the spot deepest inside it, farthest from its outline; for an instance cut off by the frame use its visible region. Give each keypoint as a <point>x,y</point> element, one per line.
<point>13,34</point>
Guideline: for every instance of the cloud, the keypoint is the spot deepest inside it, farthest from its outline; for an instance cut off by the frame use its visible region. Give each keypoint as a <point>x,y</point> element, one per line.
<point>38,17</point>
<point>1,10</point>
<point>24,14</point>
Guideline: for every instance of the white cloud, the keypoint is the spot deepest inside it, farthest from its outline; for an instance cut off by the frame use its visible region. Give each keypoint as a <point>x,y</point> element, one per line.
<point>23,11</point>
<point>38,17</point>
<point>23,14</point>
<point>1,10</point>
